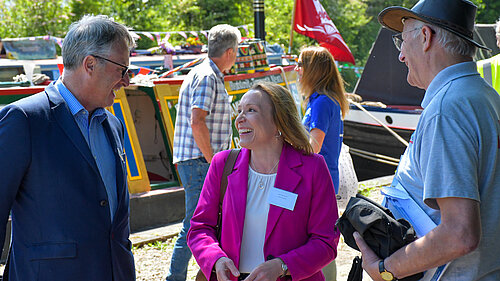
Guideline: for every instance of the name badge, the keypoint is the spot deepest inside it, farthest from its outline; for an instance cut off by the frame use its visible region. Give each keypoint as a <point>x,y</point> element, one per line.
<point>282,198</point>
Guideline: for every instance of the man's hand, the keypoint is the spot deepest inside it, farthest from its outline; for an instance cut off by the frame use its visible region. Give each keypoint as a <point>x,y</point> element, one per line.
<point>224,268</point>
<point>267,271</point>
<point>370,259</point>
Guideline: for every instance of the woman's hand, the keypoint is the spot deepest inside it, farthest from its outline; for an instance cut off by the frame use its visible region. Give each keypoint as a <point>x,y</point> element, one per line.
<point>267,271</point>
<point>224,267</point>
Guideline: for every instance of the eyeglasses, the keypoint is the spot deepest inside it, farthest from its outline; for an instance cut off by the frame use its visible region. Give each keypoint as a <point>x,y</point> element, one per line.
<point>398,38</point>
<point>125,68</point>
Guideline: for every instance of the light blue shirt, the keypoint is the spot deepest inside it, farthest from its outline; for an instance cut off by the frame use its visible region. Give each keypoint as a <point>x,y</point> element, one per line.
<point>454,152</point>
<point>98,142</point>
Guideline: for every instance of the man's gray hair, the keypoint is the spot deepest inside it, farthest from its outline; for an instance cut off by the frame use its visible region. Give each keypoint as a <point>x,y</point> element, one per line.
<point>452,44</point>
<point>222,37</point>
<point>92,35</point>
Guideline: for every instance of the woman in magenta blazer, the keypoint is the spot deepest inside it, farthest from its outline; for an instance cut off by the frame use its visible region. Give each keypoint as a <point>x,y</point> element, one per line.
<point>279,208</point>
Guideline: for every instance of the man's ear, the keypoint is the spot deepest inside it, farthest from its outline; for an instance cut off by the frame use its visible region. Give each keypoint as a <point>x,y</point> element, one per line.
<point>427,37</point>
<point>89,64</point>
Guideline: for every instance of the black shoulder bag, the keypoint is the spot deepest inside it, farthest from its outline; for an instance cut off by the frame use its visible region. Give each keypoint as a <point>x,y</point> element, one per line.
<point>378,227</point>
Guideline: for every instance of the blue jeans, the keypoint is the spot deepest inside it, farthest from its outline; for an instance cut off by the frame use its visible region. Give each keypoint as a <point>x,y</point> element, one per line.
<point>192,173</point>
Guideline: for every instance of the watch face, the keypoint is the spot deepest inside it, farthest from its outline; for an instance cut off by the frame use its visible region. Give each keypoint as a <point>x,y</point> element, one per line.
<point>387,276</point>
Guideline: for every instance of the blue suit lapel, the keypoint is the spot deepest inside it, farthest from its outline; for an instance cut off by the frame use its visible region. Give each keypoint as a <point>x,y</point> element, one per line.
<point>114,140</point>
<point>68,124</point>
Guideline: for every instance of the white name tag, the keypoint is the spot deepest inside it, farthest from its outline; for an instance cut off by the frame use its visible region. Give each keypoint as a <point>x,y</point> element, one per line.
<point>282,198</point>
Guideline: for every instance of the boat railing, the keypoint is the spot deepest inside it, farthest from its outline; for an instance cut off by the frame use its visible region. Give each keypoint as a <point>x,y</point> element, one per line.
<point>398,137</point>
<point>376,156</point>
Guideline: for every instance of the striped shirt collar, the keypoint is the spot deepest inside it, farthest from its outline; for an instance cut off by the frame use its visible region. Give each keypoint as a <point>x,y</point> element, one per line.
<point>216,69</point>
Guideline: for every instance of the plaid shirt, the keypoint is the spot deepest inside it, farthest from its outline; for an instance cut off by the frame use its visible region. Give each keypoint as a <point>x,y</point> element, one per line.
<point>203,88</point>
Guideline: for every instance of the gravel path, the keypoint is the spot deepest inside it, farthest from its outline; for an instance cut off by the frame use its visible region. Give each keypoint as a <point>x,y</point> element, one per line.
<point>152,260</point>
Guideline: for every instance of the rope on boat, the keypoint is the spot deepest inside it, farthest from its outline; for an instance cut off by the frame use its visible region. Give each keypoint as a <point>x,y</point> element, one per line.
<point>181,67</point>
<point>374,156</point>
<point>283,74</point>
<point>403,141</point>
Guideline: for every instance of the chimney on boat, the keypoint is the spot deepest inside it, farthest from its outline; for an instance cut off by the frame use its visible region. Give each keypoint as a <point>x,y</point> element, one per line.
<point>258,11</point>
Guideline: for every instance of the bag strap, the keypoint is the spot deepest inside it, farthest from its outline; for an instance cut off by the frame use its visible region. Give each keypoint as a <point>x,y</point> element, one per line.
<point>228,168</point>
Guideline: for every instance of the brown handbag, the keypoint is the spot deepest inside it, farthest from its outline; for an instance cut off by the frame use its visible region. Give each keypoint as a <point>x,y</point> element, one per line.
<point>228,168</point>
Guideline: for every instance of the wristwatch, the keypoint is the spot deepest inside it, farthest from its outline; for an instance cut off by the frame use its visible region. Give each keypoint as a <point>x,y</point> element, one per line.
<point>386,275</point>
<point>284,268</point>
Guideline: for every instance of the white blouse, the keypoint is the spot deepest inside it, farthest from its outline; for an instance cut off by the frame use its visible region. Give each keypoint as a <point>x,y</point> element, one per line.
<point>254,229</point>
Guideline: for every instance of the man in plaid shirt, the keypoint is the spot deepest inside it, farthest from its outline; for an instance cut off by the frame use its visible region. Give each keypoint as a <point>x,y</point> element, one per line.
<point>202,128</point>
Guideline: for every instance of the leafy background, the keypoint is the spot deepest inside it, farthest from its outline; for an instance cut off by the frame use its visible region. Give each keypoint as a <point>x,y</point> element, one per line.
<point>355,19</point>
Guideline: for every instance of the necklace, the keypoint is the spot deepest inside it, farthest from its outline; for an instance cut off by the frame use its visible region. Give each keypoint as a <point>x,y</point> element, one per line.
<point>261,179</point>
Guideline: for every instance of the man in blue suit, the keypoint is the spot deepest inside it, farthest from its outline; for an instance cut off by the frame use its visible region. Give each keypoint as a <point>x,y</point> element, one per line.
<point>62,169</point>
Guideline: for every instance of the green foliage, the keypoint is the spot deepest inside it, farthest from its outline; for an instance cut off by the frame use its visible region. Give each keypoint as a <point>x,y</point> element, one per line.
<point>278,14</point>
<point>23,18</point>
<point>203,14</point>
<point>146,15</point>
<point>143,15</point>
<point>79,8</point>
<point>355,19</point>
<point>488,11</point>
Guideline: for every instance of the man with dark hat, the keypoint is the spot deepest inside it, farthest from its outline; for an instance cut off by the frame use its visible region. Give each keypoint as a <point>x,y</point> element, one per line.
<point>450,172</point>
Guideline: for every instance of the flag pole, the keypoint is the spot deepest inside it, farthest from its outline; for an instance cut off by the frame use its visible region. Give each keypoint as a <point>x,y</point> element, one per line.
<point>291,29</point>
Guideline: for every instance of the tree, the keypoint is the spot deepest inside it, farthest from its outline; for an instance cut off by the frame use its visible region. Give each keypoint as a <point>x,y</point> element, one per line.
<point>23,18</point>
<point>355,19</point>
<point>278,22</point>
<point>488,11</point>
<point>203,14</point>
<point>79,8</point>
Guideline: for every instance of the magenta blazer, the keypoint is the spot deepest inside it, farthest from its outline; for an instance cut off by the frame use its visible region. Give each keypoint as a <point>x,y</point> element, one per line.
<point>305,238</point>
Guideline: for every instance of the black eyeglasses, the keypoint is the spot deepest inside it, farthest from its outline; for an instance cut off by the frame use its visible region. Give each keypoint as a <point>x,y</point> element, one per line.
<point>125,68</point>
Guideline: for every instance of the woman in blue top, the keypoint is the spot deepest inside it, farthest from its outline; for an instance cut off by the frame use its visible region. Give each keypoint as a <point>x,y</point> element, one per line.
<point>323,89</point>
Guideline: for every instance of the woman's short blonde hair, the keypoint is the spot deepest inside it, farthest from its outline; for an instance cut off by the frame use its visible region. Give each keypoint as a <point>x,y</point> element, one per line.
<point>320,74</point>
<point>286,116</point>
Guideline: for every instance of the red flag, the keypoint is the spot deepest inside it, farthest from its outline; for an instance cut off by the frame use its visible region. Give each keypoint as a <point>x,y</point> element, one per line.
<point>60,66</point>
<point>144,71</point>
<point>312,21</point>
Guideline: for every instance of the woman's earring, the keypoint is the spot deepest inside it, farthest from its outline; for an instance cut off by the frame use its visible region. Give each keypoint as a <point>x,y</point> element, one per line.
<point>279,134</point>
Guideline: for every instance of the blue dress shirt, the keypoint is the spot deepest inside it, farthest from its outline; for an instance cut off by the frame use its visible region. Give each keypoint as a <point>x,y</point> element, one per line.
<point>99,144</point>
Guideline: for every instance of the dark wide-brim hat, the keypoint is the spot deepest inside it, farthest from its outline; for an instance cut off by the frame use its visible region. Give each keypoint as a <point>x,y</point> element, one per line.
<point>456,16</point>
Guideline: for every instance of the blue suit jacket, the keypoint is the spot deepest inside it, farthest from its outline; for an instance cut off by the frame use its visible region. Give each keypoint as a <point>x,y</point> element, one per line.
<point>61,224</point>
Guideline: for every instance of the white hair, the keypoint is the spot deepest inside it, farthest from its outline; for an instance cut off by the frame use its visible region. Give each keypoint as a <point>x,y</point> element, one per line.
<point>451,43</point>
<point>222,37</point>
<point>92,35</point>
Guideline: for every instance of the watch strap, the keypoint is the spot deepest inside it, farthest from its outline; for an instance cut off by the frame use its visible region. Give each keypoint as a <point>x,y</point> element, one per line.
<point>284,268</point>
<point>386,275</point>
